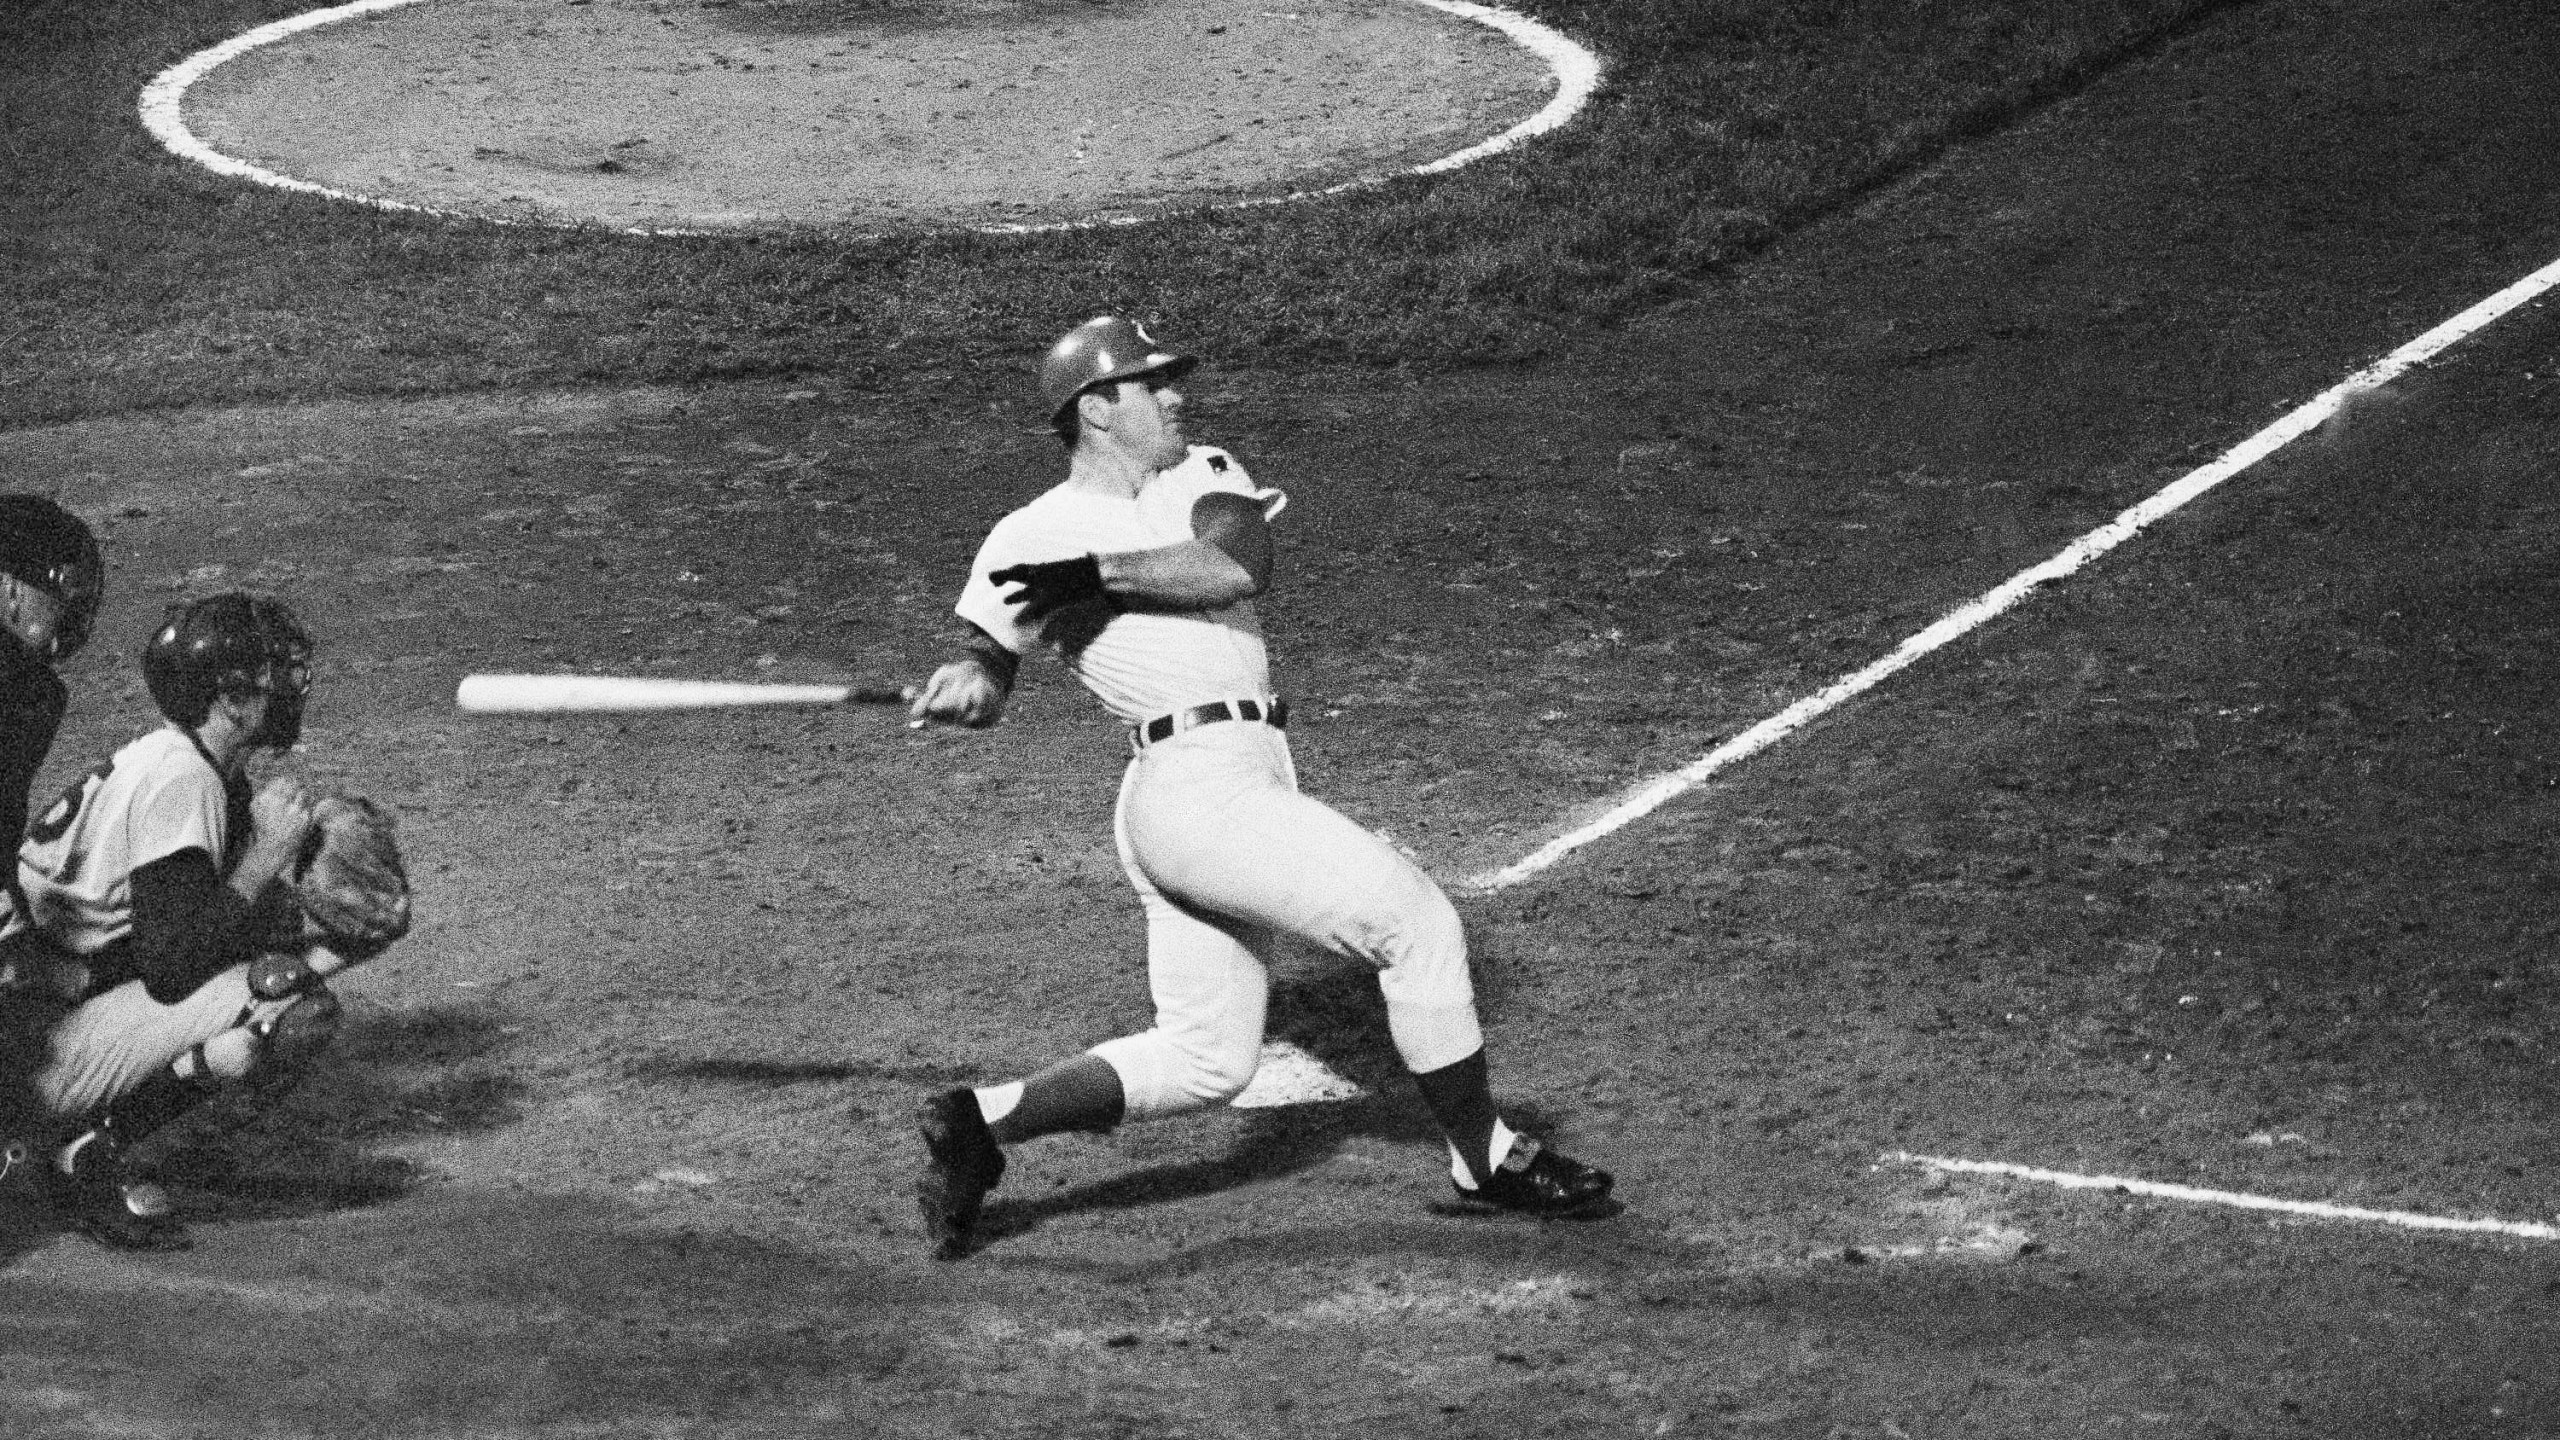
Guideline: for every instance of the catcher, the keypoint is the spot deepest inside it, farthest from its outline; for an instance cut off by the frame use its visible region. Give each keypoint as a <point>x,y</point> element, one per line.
<point>192,923</point>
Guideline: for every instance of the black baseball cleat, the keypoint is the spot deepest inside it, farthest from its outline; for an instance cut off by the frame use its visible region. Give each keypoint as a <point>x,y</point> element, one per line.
<point>1536,1181</point>
<point>962,1163</point>
<point>103,1202</point>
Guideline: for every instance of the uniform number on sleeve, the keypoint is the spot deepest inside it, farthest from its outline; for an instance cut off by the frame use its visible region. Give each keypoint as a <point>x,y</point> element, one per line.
<point>57,819</point>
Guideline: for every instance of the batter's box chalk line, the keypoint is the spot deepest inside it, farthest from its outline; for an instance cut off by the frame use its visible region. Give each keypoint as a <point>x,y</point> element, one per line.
<point>2231,1199</point>
<point>163,105</point>
<point>1646,796</point>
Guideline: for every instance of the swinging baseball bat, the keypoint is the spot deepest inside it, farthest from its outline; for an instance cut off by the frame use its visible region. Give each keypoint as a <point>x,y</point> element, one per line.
<point>623,694</point>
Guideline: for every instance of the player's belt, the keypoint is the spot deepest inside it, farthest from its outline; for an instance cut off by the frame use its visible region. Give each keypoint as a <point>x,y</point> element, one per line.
<point>1274,713</point>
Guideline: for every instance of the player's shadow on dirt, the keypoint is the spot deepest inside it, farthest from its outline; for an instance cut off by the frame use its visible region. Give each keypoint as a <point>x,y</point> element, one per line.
<point>310,1149</point>
<point>1331,1009</point>
<point>389,1076</point>
<point>774,1074</point>
<point>1273,1143</point>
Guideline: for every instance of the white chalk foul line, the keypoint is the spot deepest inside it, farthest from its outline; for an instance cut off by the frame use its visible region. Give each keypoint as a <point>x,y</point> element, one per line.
<point>2194,1195</point>
<point>1577,75</point>
<point>1647,796</point>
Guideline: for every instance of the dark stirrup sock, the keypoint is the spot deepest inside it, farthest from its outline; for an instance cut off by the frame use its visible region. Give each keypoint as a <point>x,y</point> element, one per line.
<point>1460,1097</point>
<point>1079,1094</point>
<point>154,1103</point>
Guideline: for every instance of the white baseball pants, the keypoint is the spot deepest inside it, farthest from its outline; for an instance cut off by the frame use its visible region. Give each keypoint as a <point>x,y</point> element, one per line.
<point>1225,853</point>
<point>109,1044</point>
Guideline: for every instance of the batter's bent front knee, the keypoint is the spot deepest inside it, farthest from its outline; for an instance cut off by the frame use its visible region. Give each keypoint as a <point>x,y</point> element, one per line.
<point>1161,1075</point>
<point>1431,1002</point>
<point>1420,948</point>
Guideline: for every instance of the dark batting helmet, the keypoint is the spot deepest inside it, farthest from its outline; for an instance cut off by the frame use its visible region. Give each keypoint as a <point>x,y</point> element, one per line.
<point>47,548</point>
<point>1103,349</point>
<point>230,644</point>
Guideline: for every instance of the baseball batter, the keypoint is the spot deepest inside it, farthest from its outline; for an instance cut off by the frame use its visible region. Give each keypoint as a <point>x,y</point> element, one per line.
<point>152,888</point>
<point>1140,571</point>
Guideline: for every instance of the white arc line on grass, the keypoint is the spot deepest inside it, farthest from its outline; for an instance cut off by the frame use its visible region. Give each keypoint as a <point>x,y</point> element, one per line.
<point>1577,73</point>
<point>2310,1209</point>
<point>164,98</point>
<point>1577,77</point>
<point>1644,798</point>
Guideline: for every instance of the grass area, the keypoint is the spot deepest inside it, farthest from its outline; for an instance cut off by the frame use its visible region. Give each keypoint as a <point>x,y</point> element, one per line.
<point>134,280</point>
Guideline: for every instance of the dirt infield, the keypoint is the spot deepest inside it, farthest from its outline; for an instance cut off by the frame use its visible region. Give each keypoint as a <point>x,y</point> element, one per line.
<point>641,114</point>
<point>2228,862</point>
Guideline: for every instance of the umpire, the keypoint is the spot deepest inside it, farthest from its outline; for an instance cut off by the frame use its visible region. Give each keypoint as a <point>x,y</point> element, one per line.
<point>51,579</point>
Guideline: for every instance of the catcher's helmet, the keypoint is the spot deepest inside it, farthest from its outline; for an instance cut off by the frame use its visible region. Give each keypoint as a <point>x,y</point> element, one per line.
<point>228,644</point>
<point>1103,349</point>
<point>48,548</point>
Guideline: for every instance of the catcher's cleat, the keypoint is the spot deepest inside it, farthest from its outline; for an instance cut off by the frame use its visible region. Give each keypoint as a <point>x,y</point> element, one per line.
<point>1534,1180</point>
<point>962,1163</point>
<point>102,1202</point>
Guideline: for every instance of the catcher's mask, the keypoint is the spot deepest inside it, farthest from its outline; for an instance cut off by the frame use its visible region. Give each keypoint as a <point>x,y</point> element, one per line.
<point>234,643</point>
<point>1103,349</point>
<point>49,549</point>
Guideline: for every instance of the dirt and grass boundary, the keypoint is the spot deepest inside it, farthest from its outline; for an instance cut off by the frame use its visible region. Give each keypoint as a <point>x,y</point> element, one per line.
<point>135,280</point>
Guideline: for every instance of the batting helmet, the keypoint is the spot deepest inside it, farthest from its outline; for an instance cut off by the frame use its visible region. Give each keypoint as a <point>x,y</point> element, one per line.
<point>48,548</point>
<point>1103,349</point>
<point>224,645</point>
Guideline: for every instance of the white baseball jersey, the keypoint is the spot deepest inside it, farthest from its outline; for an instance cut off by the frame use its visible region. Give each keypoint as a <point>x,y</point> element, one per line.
<point>1142,664</point>
<point>152,799</point>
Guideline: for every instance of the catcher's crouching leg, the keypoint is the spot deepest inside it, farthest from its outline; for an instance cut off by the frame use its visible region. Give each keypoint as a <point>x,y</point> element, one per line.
<point>271,1050</point>
<point>265,1054</point>
<point>95,1185</point>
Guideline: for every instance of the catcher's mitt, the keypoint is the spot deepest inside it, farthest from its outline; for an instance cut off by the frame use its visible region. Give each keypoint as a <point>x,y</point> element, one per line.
<point>351,885</point>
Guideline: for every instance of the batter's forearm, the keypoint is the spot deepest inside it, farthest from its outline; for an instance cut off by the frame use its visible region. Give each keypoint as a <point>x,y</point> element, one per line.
<point>993,660</point>
<point>1194,575</point>
<point>971,688</point>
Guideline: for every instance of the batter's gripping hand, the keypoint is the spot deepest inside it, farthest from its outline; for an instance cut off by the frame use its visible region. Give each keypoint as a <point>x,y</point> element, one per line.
<point>1050,586</point>
<point>960,693</point>
<point>351,885</point>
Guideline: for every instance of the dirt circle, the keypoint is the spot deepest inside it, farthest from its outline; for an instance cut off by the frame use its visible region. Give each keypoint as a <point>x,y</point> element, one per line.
<point>877,115</point>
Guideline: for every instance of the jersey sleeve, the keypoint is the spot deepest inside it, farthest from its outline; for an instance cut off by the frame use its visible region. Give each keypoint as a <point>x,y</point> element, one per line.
<point>174,811</point>
<point>982,601</point>
<point>1213,470</point>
